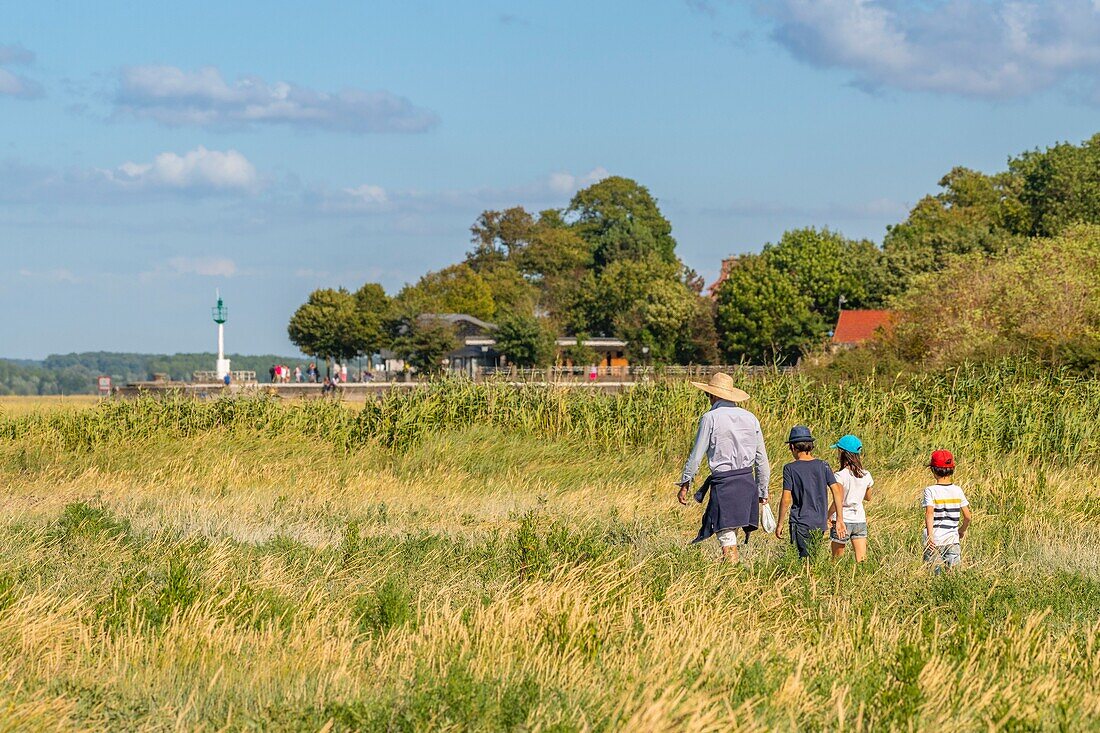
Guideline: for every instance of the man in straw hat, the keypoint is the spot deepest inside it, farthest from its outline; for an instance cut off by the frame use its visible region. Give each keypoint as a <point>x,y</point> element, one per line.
<point>731,438</point>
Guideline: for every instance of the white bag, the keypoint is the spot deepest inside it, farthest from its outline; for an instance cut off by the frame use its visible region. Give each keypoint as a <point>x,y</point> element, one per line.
<point>767,519</point>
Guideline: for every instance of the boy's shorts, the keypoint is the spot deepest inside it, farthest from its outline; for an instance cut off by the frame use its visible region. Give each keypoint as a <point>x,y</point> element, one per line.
<point>856,530</point>
<point>806,539</point>
<point>950,554</point>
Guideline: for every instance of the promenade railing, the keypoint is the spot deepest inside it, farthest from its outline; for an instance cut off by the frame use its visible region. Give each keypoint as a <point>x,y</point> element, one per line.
<point>616,373</point>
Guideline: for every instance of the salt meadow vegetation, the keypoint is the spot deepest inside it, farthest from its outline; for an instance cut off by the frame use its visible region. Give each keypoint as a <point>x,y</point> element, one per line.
<point>492,557</point>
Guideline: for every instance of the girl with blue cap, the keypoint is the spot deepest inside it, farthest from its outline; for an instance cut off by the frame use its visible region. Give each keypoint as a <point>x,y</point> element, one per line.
<point>857,483</point>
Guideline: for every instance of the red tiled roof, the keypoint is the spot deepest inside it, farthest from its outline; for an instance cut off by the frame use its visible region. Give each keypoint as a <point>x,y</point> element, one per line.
<point>854,327</point>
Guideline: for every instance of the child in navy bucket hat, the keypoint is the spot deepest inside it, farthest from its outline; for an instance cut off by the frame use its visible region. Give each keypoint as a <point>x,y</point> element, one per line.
<point>807,483</point>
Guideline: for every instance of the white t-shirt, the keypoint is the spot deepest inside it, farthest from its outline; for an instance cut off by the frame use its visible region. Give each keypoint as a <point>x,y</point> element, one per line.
<point>854,491</point>
<point>947,502</point>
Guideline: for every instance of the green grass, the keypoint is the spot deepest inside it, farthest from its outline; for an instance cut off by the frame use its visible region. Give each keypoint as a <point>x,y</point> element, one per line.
<point>513,559</point>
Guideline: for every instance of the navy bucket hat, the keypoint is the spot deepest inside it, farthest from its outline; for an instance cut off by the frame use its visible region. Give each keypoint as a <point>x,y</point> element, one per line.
<point>800,434</point>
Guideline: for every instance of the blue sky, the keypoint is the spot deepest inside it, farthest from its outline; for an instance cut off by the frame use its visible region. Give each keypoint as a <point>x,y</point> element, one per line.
<point>151,153</point>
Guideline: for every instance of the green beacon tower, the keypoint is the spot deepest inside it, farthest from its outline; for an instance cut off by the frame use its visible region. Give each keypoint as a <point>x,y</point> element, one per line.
<point>221,314</point>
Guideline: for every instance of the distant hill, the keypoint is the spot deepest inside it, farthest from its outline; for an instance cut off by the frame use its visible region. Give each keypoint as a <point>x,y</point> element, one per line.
<point>76,373</point>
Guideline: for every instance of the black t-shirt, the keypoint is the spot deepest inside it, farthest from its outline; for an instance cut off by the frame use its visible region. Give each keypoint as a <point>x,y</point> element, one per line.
<point>808,482</point>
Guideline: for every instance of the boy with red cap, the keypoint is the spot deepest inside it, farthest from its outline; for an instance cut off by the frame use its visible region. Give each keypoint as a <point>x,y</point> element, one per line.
<point>946,513</point>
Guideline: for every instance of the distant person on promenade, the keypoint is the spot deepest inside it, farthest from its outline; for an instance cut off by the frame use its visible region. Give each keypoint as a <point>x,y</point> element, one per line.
<point>344,374</point>
<point>272,371</point>
<point>731,439</point>
<point>312,375</point>
<point>946,514</point>
<point>857,483</point>
<point>807,483</point>
<point>298,373</point>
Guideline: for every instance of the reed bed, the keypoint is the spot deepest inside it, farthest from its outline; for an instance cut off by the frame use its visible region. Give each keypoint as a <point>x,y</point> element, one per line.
<point>485,557</point>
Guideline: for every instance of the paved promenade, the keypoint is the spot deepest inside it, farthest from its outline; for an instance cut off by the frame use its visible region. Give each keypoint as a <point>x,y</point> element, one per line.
<point>351,391</point>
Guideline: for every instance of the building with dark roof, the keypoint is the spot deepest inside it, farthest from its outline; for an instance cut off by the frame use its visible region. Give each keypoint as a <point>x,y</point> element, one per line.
<point>478,346</point>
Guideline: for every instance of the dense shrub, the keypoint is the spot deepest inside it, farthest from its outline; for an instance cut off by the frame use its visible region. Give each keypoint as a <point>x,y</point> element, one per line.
<point>1042,301</point>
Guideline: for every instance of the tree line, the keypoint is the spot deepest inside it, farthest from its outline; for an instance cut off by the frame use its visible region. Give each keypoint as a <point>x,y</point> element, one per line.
<point>77,373</point>
<point>606,265</point>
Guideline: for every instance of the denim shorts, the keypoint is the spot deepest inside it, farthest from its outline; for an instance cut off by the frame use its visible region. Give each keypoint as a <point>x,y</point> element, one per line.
<point>856,530</point>
<point>950,554</point>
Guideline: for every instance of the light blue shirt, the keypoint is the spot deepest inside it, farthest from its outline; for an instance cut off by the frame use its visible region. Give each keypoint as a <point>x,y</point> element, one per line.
<point>731,438</point>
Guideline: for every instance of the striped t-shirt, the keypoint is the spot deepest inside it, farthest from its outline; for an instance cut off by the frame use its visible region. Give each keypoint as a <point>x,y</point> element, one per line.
<point>947,503</point>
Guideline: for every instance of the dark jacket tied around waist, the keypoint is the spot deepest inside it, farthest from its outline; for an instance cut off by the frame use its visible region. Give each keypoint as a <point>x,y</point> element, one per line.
<point>734,502</point>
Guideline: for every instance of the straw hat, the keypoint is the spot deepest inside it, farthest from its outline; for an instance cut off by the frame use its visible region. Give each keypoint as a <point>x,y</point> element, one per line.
<point>721,386</point>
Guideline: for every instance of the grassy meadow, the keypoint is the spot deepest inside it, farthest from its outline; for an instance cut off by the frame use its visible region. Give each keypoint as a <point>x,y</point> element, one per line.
<point>12,406</point>
<point>485,557</point>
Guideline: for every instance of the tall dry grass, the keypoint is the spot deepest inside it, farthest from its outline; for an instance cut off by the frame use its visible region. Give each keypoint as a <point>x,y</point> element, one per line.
<point>487,558</point>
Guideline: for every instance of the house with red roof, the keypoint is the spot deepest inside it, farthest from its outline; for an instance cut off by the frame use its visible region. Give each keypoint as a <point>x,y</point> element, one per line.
<point>855,327</point>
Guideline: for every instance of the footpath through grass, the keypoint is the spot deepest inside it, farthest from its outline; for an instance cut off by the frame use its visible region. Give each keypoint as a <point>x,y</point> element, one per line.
<point>516,561</point>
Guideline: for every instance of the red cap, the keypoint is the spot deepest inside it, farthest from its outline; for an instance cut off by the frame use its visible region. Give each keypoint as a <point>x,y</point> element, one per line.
<point>942,459</point>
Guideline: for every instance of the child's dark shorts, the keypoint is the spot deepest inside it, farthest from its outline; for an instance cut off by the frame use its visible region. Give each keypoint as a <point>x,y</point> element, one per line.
<point>807,540</point>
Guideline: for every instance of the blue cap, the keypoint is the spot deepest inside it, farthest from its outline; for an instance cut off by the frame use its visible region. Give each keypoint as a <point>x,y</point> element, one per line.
<point>800,434</point>
<point>850,443</point>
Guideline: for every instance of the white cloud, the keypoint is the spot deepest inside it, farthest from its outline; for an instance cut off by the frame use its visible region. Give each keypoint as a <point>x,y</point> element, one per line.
<point>17,85</point>
<point>204,266</point>
<point>197,173</point>
<point>176,97</point>
<point>184,266</point>
<point>978,48</point>
<point>368,194</point>
<point>196,170</point>
<point>553,189</point>
<point>568,184</point>
<point>56,275</point>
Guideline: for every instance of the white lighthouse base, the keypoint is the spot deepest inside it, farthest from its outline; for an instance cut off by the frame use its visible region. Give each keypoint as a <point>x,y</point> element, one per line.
<point>223,368</point>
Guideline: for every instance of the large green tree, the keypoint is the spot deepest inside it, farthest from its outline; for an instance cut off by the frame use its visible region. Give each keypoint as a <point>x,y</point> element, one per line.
<point>454,289</point>
<point>763,316</point>
<point>973,214</point>
<point>1041,194</point>
<point>510,291</point>
<point>500,234</point>
<point>619,219</point>
<point>329,325</point>
<point>525,341</point>
<point>425,343</point>
<point>827,266</point>
<point>373,307</point>
<point>554,250</point>
<point>1059,186</point>
<point>646,303</point>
